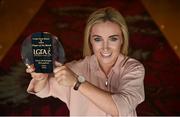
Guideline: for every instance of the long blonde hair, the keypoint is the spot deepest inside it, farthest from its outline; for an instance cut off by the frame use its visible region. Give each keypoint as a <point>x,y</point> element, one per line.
<point>102,15</point>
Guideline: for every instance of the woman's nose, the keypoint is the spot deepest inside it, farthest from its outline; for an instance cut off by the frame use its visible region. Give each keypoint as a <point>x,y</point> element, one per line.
<point>105,46</point>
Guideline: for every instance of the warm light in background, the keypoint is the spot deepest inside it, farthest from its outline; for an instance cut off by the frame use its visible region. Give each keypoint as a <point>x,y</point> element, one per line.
<point>166,14</point>
<point>13,20</point>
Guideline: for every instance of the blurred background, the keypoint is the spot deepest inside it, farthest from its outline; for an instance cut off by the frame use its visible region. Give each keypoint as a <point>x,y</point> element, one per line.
<point>154,40</point>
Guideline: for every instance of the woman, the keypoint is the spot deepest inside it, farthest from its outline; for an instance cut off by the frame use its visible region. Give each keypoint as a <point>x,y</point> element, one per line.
<point>106,82</point>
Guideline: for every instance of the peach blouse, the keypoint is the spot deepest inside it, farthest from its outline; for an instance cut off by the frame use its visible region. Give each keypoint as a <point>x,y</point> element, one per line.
<point>125,80</point>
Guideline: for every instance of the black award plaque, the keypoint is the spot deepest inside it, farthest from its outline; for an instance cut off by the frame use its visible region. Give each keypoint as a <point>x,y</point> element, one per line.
<point>41,50</point>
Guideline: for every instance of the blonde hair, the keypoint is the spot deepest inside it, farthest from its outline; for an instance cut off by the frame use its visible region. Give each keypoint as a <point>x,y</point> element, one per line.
<point>102,15</point>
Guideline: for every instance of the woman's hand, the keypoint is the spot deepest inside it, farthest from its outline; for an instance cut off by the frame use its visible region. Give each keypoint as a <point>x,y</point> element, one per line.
<point>64,75</point>
<point>37,76</point>
<point>40,79</point>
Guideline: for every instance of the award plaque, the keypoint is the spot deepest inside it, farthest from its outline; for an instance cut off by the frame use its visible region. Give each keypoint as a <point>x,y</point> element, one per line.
<point>42,49</point>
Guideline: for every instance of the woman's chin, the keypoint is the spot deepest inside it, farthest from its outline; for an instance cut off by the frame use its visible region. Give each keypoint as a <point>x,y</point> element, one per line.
<point>106,60</point>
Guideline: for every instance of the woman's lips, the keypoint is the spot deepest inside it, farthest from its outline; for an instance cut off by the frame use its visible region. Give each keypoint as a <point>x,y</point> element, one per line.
<point>106,54</point>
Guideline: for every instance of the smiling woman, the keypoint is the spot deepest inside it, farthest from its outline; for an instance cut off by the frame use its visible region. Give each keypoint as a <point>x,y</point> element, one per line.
<point>106,40</point>
<point>106,74</point>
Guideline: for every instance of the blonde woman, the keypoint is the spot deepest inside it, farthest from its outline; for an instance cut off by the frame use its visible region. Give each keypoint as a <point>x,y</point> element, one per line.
<point>106,82</point>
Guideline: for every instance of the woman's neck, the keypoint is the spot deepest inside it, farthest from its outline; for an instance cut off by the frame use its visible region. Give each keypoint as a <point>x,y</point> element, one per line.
<point>106,68</point>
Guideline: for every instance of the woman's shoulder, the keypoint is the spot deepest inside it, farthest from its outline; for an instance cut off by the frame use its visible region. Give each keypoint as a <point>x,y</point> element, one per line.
<point>131,60</point>
<point>132,63</point>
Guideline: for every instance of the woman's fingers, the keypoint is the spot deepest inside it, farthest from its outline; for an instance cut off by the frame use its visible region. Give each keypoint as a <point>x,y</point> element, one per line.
<point>30,68</point>
<point>60,74</point>
<point>64,76</point>
<point>38,76</point>
<point>58,64</point>
<point>60,68</point>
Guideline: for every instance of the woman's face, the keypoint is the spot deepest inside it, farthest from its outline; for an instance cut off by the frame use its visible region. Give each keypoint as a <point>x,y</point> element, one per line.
<point>106,39</point>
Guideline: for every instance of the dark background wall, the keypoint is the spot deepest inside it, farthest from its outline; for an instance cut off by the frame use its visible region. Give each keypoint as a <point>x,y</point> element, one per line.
<point>66,19</point>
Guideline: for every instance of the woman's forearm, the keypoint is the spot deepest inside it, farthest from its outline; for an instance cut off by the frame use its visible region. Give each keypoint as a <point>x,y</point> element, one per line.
<point>99,97</point>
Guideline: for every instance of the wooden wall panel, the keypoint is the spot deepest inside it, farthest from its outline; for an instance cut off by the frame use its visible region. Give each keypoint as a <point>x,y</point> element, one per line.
<point>166,14</point>
<point>14,17</point>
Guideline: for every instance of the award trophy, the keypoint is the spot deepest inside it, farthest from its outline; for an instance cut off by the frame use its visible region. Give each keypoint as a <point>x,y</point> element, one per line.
<point>41,50</point>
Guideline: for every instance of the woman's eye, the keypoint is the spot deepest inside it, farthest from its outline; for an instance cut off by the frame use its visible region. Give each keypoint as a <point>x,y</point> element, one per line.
<point>113,39</point>
<point>97,39</point>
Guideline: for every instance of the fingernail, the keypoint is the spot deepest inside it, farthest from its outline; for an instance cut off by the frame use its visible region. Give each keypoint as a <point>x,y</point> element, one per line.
<point>28,66</point>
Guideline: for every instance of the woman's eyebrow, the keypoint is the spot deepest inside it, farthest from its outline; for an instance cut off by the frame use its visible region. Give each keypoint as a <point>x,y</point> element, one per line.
<point>96,36</point>
<point>114,36</point>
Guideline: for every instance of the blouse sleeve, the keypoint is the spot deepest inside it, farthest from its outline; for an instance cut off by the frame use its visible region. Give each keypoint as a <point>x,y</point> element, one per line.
<point>52,88</point>
<point>130,90</point>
